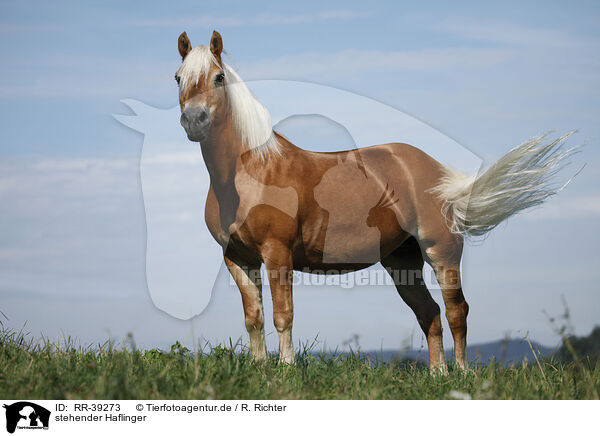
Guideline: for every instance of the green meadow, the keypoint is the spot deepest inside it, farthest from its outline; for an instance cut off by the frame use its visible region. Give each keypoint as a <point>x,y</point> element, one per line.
<point>43,370</point>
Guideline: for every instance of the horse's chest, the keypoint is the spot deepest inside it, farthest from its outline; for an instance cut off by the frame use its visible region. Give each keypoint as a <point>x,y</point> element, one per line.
<point>261,208</point>
<point>255,213</point>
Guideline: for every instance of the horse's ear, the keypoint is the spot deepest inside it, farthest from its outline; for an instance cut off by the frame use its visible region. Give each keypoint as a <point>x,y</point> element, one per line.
<point>184,45</point>
<point>216,44</point>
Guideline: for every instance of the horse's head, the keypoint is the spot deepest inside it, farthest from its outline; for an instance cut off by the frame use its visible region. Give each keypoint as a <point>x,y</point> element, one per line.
<point>201,79</point>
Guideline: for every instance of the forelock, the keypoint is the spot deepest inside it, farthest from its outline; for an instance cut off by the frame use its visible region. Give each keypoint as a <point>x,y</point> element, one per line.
<point>196,64</point>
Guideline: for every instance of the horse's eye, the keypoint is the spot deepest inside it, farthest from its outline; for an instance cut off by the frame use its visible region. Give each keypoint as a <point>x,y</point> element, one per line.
<point>177,79</point>
<point>219,78</point>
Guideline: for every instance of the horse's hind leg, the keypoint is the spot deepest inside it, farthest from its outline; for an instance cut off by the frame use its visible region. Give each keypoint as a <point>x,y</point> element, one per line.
<point>405,265</point>
<point>445,261</point>
<point>457,310</point>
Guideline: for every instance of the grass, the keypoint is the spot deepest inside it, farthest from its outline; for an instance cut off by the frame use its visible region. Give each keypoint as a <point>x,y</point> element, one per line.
<point>48,371</point>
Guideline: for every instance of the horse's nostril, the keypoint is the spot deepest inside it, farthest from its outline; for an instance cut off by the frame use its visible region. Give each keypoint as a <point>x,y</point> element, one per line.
<point>203,116</point>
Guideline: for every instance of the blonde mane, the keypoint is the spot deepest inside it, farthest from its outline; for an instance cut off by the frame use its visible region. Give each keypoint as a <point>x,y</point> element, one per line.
<point>251,119</point>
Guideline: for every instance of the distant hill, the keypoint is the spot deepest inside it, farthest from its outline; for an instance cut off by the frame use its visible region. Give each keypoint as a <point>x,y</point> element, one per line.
<point>507,351</point>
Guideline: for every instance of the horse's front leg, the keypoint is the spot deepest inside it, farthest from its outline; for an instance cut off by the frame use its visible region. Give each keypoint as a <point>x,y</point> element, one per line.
<point>248,281</point>
<point>278,261</point>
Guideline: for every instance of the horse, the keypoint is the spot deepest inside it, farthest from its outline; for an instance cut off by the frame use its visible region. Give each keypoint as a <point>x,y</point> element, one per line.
<point>273,203</point>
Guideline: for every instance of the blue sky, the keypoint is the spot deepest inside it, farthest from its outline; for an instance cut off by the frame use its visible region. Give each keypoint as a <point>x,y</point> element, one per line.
<point>487,76</point>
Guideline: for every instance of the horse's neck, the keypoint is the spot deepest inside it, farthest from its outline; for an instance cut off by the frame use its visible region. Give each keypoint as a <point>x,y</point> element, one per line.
<point>221,153</point>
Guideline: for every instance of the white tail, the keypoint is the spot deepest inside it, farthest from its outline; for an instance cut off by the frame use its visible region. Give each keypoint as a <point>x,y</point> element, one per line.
<point>520,179</point>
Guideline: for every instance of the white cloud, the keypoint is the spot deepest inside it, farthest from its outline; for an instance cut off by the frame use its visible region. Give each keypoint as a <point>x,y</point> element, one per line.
<point>517,35</point>
<point>68,214</point>
<point>567,208</point>
<point>117,78</point>
<point>79,164</point>
<point>350,62</point>
<point>27,28</point>
<point>213,21</point>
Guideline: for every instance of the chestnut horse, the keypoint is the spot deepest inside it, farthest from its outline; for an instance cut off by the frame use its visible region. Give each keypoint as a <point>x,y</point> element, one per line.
<point>271,202</point>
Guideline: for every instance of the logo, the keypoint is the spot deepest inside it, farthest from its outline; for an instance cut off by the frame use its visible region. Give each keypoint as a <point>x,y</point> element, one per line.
<point>26,415</point>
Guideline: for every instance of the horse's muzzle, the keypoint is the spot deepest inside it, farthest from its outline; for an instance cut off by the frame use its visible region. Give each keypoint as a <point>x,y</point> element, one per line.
<point>196,122</point>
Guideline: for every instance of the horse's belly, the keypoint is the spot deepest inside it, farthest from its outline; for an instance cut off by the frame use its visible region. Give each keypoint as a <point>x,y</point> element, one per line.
<point>351,244</point>
<point>347,245</point>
